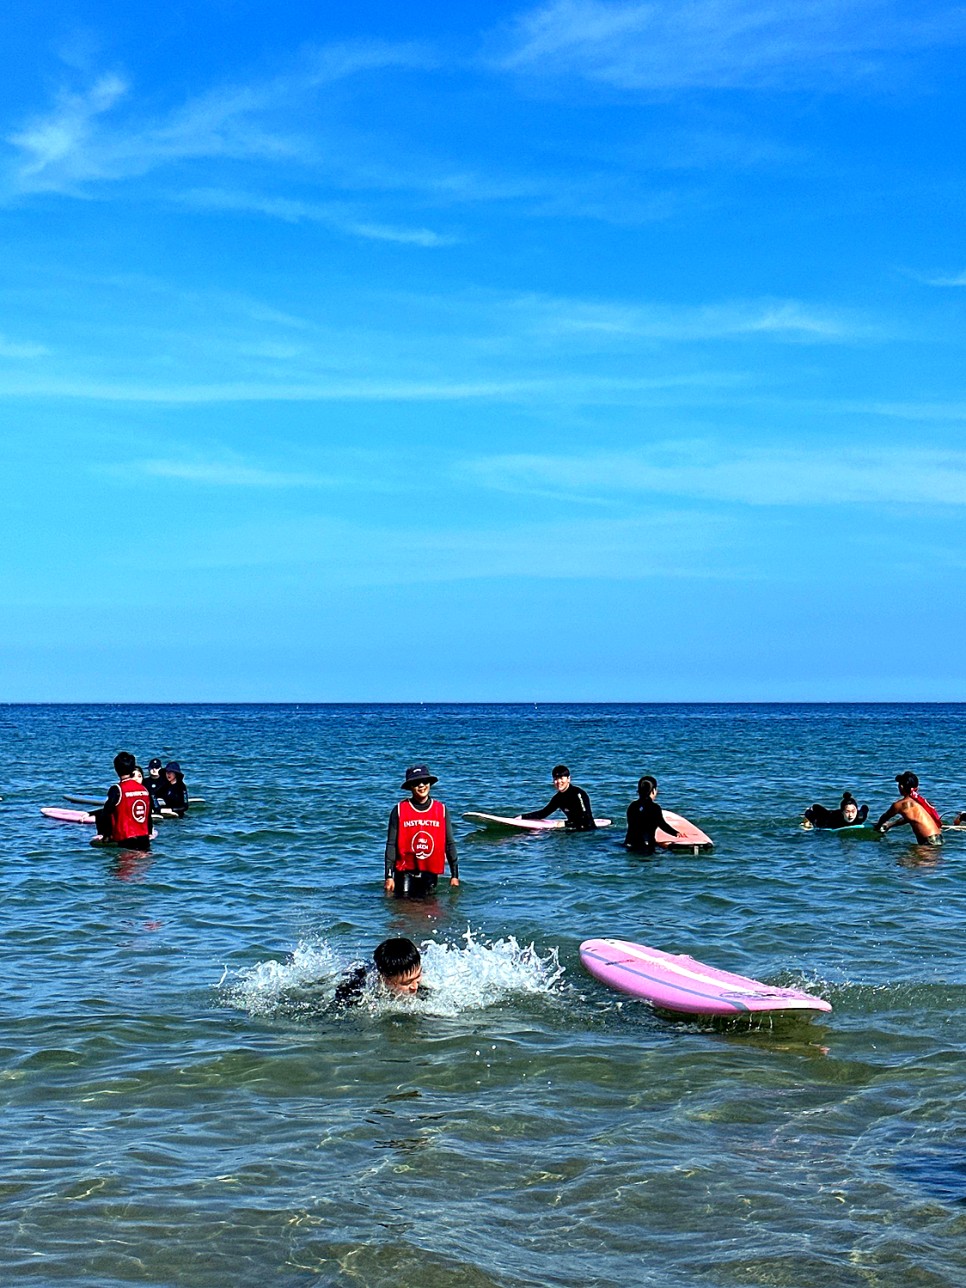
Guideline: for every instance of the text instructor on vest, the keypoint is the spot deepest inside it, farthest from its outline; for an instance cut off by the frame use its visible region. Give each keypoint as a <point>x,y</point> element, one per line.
<point>420,839</point>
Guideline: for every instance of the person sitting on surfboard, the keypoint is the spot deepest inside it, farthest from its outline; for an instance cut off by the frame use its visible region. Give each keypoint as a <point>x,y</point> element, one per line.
<point>913,809</point>
<point>125,817</point>
<point>848,814</point>
<point>644,818</point>
<point>420,840</point>
<point>155,783</point>
<point>174,793</point>
<point>396,964</point>
<point>573,800</point>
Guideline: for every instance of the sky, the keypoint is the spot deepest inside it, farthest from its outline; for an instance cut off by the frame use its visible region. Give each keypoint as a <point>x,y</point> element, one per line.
<point>587,350</point>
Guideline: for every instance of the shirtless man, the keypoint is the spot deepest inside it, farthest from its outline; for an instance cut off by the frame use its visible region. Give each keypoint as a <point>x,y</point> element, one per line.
<point>913,809</point>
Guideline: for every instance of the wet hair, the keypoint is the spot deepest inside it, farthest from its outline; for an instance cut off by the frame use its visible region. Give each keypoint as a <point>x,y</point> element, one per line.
<point>395,957</point>
<point>848,799</point>
<point>124,764</point>
<point>646,785</point>
<point>908,782</point>
<point>560,771</point>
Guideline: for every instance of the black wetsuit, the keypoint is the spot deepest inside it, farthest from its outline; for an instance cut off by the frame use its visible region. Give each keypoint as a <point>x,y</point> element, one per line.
<point>156,787</point>
<point>409,885</point>
<point>819,816</point>
<point>575,804</point>
<point>174,795</point>
<point>644,818</point>
<point>352,987</point>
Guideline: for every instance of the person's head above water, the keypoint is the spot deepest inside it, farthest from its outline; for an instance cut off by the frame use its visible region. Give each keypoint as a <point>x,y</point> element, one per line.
<point>419,781</point>
<point>154,767</point>
<point>124,764</point>
<point>849,807</point>
<point>399,964</point>
<point>907,782</point>
<point>561,777</point>
<point>646,786</point>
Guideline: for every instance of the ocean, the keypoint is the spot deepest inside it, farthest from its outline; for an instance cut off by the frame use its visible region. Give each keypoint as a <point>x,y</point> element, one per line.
<point>183,1105</point>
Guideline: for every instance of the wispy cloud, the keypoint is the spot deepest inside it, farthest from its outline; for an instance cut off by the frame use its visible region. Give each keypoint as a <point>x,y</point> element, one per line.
<point>704,471</point>
<point>790,320</point>
<point>17,350</point>
<point>332,214</point>
<point>941,279</point>
<point>723,44</point>
<point>101,133</point>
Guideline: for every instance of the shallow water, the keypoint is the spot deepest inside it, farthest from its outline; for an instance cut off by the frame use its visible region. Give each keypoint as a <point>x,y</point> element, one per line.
<point>183,1106</point>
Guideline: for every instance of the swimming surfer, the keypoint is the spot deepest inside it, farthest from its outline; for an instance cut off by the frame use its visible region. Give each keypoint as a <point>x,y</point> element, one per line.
<point>125,817</point>
<point>645,818</point>
<point>848,814</point>
<point>396,965</point>
<point>572,800</point>
<point>914,809</point>
<point>420,840</point>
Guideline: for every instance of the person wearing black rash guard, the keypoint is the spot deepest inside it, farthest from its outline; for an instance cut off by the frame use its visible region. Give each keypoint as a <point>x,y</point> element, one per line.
<point>572,800</point>
<point>420,840</point>
<point>155,782</point>
<point>848,814</point>
<point>396,964</point>
<point>644,818</point>
<point>174,793</point>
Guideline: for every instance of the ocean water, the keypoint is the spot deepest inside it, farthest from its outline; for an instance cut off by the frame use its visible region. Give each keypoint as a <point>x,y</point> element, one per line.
<point>183,1106</point>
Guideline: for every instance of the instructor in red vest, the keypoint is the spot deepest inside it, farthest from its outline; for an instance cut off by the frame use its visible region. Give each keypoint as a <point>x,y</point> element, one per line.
<point>420,841</point>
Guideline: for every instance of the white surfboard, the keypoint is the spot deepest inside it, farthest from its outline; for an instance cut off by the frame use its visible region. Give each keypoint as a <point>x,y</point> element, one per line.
<point>516,823</point>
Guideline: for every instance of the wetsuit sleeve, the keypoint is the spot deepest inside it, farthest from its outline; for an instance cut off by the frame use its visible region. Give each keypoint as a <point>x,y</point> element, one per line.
<point>862,815</point>
<point>451,857</point>
<point>351,987</point>
<point>662,824</point>
<point>392,836</point>
<point>551,805</point>
<point>586,813</point>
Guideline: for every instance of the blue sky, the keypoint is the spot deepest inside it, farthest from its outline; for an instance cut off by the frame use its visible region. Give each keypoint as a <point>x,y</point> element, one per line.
<point>584,350</point>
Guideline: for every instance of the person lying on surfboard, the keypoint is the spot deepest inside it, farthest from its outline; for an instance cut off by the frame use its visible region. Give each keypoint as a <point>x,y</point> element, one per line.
<point>572,800</point>
<point>848,814</point>
<point>420,840</point>
<point>644,818</point>
<point>913,809</point>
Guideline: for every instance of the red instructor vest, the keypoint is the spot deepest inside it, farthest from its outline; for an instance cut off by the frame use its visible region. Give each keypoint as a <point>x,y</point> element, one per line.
<point>133,814</point>
<point>421,841</point>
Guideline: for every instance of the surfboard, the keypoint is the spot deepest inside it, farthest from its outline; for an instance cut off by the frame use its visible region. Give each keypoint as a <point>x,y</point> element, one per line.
<point>682,986</point>
<point>99,800</point>
<point>82,816</point>
<point>524,824</point>
<point>864,830</point>
<point>690,838</point>
<point>67,815</point>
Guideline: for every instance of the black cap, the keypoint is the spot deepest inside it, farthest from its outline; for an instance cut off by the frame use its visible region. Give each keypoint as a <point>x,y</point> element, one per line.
<point>154,763</point>
<point>419,773</point>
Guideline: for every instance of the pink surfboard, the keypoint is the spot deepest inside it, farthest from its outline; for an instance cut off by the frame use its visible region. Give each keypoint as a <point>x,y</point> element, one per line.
<point>690,838</point>
<point>679,984</point>
<point>67,815</point>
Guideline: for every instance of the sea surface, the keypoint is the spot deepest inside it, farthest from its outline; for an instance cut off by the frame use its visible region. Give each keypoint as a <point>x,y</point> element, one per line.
<point>183,1105</point>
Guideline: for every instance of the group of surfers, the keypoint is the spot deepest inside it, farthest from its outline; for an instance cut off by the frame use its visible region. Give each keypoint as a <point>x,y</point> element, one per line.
<point>911,807</point>
<point>125,817</point>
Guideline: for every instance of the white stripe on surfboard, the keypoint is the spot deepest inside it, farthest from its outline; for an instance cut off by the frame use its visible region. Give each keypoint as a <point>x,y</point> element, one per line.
<point>676,967</point>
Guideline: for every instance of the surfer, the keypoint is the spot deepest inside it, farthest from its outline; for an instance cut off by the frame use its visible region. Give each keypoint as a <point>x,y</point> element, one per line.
<point>848,814</point>
<point>420,840</point>
<point>174,793</point>
<point>644,818</point>
<point>155,784</point>
<point>125,817</point>
<point>396,964</point>
<point>572,800</point>
<point>913,809</point>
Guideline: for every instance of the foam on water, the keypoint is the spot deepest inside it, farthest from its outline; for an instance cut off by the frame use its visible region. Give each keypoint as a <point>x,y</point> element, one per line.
<point>457,977</point>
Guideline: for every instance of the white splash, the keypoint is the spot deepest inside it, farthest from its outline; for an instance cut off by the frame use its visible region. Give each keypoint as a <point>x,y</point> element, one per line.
<point>457,977</point>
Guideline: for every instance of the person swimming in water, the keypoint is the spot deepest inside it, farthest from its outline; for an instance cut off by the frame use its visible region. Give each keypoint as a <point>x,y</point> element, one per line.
<point>572,800</point>
<point>645,818</point>
<point>848,814</point>
<point>397,966</point>
<point>914,809</point>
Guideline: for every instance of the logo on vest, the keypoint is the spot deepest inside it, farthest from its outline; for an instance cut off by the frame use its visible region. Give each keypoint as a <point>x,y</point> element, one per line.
<point>423,845</point>
<point>139,812</point>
